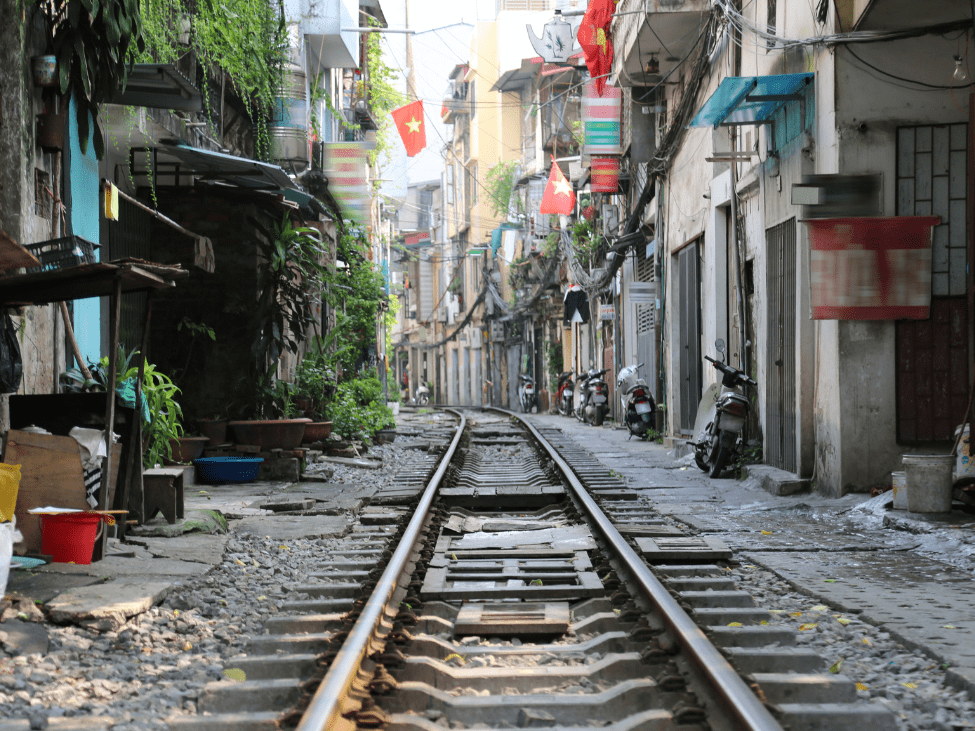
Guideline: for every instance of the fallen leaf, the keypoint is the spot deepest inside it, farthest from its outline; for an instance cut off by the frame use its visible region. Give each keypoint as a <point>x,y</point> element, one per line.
<point>949,626</point>
<point>235,674</point>
<point>795,614</point>
<point>867,642</point>
<point>766,532</point>
<point>284,548</point>
<point>843,620</point>
<point>454,656</point>
<point>830,581</point>
<point>735,624</point>
<point>240,562</point>
<point>188,646</point>
<point>835,667</point>
<point>764,621</point>
<point>747,566</point>
<point>912,686</point>
<point>175,612</point>
<point>256,563</point>
<point>203,492</point>
<point>808,625</point>
<point>820,608</point>
<point>261,598</point>
<point>861,686</point>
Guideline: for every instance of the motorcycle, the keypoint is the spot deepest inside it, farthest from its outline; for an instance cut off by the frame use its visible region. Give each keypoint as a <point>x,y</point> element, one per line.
<point>594,397</point>
<point>422,397</point>
<point>721,417</point>
<point>636,403</point>
<point>526,394</point>
<point>563,397</point>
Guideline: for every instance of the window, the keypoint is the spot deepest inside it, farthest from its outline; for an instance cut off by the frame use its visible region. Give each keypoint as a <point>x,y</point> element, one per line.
<point>771,20</point>
<point>423,215</point>
<point>450,184</point>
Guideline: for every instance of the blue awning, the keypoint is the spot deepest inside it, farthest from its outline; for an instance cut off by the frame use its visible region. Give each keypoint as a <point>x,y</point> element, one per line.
<point>740,100</point>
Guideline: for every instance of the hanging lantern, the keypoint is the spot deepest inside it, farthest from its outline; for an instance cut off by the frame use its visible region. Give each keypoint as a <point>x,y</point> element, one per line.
<point>557,42</point>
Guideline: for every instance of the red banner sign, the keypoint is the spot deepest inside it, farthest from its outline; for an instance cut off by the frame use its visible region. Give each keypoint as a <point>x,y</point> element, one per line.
<point>870,268</point>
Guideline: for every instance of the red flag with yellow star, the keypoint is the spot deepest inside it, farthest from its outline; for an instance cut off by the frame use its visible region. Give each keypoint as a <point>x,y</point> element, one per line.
<point>411,127</point>
<point>558,196</point>
<point>595,40</point>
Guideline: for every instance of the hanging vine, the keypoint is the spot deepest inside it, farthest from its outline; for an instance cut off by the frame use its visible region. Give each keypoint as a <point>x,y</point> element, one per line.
<point>246,39</point>
<point>383,96</point>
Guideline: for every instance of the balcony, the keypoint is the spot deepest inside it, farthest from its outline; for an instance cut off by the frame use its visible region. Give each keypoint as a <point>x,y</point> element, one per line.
<point>647,48</point>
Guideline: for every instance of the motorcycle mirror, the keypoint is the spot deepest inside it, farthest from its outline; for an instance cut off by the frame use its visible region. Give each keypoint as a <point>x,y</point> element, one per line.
<point>719,345</point>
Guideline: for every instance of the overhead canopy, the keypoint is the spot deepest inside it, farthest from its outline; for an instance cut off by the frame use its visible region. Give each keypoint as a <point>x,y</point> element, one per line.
<point>741,100</point>
<point>217,166</point>
<point>161,86</point>
<point>516,78</point>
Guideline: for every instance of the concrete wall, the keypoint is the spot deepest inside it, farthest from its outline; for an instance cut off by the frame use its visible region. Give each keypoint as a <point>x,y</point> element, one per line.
<point>40,330</point>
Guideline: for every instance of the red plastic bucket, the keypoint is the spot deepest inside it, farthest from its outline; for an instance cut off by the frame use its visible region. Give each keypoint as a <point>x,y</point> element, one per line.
<point>69,537</point>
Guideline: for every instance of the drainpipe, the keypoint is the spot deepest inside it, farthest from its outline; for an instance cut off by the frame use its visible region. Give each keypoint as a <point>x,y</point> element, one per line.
<point>742,329</point>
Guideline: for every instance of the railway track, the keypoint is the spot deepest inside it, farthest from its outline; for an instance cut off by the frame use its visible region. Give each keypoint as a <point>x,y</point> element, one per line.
<point>516,583</point>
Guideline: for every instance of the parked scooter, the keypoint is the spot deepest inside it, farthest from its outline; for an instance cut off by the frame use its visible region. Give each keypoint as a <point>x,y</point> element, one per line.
<point>565,394</point>
<point>594,397</point>
<point>721,417</point>
<point>636,403</point>
<point>422,396</point>
<point>526,394</point>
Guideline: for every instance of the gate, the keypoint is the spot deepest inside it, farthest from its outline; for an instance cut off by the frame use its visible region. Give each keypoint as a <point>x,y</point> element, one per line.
<point>780,434</point>
<point>932,354</point>
<point>689,313</point>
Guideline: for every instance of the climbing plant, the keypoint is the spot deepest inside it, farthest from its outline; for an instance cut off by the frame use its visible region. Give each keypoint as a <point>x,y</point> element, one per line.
<point>246,39</point>
<point>383,96</point>
<point>499,185</point>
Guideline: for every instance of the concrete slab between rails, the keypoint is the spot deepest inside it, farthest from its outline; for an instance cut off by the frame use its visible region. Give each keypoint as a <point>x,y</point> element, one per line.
<point>98,723</point>
<point>292,527</point>
<point>924,604</point>
<point>777,482</point>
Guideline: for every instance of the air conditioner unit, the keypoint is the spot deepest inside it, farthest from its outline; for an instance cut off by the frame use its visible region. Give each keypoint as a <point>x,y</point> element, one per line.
<point>441,314</point>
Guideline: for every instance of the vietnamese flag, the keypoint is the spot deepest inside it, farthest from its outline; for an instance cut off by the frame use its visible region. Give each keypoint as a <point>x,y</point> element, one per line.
<point>558,196</point>
<point>410,125</point>
<point>595,40</point>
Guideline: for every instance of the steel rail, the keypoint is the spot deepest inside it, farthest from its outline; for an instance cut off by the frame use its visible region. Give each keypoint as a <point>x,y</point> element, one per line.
<point>734,695</point>
<point>324,711</point>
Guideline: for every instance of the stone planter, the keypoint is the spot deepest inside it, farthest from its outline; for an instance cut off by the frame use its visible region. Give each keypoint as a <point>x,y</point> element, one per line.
<point>270,433</point>
<point>215,430</point>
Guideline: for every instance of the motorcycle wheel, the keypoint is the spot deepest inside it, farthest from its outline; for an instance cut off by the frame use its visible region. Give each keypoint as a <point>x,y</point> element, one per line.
<point>597,417</point>
<point>699,461</point>
<point>423,400</point>
<point>720,460</point>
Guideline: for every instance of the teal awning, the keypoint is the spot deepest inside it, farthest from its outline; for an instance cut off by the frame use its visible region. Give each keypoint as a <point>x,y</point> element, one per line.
<point>740,100</point>
<point>496,235</point>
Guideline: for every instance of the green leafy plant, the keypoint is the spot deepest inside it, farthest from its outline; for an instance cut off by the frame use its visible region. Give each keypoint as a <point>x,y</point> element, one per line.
<point>95,42</point>
<point>358,410</point>
<point>554,360</point>
<point>165,416</point>
<point>292,267</point>
<point>586,240</point>
<point>499,184</point>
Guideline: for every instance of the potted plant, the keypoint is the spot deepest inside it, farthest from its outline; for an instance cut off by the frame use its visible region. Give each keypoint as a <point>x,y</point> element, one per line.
<point>94,43</point>
<point>290,270</point>
<point>162,415</point>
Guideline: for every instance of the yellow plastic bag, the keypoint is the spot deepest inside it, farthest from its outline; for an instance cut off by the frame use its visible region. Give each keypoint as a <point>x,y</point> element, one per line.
<point>9,484</point>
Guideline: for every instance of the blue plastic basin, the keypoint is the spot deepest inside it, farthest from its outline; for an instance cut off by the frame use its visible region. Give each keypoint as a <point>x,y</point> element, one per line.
<point>227,469</point>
